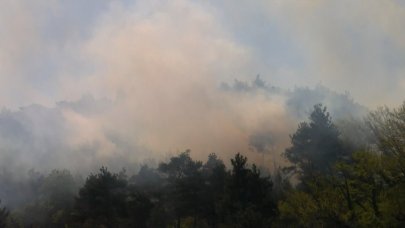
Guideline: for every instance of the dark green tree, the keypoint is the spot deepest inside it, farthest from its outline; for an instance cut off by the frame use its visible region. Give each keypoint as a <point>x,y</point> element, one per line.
<point>185,183</point>
<point>138,207</point>
<point>215,176</point>
<point>4,213</point>
<point>102,199</point>
<point>147,179</point>
<point>315,145</point>
<point>248,198</point>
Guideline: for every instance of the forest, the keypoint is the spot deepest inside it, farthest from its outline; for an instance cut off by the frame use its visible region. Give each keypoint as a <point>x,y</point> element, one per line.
<point>332,180</point>
<point>202,114</point>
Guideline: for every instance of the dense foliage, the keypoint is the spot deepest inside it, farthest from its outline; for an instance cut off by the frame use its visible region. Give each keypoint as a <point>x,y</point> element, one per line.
<point>330,183</point>
<point>366,188</point>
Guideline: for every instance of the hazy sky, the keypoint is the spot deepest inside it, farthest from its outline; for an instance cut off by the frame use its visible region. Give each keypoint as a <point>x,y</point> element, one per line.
<point>159,63</point>
<point>55,50</point>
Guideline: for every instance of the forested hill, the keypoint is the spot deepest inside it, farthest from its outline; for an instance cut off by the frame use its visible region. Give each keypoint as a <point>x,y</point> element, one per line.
<point>330,182</point>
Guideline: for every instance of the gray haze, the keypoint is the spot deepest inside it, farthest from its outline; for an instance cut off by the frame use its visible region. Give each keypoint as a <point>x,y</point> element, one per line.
<point>90,83</point>
<point>80,136</point>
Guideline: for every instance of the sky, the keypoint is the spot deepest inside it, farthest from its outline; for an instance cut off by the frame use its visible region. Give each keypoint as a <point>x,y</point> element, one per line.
<point>150,71</point>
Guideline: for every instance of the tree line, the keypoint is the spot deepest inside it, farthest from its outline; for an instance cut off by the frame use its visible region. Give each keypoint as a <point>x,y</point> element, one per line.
<point>334,180</point>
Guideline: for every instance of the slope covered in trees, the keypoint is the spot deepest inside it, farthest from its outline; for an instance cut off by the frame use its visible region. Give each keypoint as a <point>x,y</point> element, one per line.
<point>328,184</point>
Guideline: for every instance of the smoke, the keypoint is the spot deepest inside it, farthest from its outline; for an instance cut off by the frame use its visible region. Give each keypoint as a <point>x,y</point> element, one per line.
<point>160,76</point>
<point>68,135</point>
<point>88,133</point>
<point>349,45</point>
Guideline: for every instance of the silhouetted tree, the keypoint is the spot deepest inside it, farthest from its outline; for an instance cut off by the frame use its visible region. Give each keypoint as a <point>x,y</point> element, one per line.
<point>147,179</point>
<point>215,176</point>
<point>315,145</point>
<point>102,199</point>
<point>138,207</point>
<point>185,186</point>
<point>248,198</point>
<point>4,213</point>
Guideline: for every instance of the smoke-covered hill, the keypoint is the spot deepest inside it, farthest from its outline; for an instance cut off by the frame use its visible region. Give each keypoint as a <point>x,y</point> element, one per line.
<point>252,117</point>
